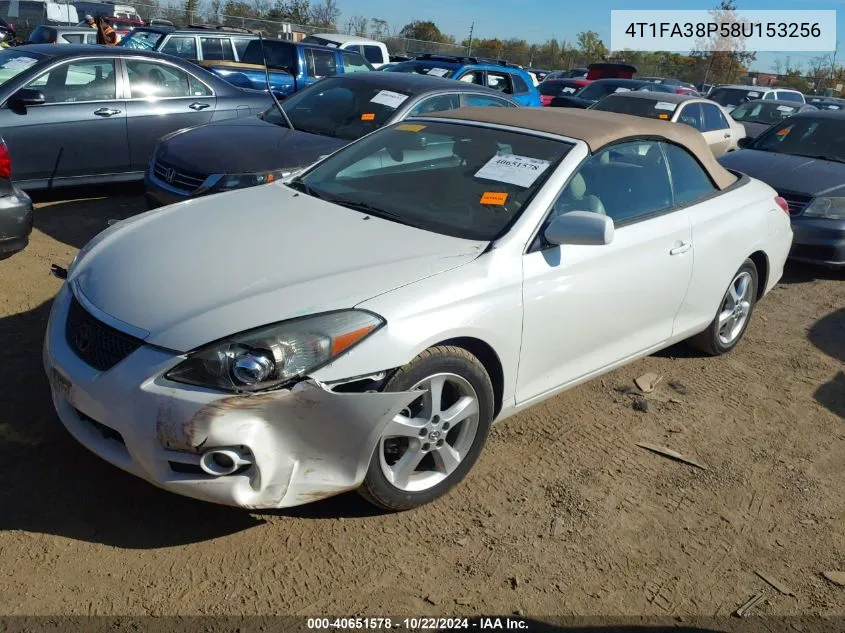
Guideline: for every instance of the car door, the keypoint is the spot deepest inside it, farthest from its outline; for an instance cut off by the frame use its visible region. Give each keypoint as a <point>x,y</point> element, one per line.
<point>587,308</point>
<point>184,46</point>
<point>80,130</point>
<point>217,49</point>
<point>690,114</point>
<point>718,233</point>
<point>162,98</point>
<point>717,131</point>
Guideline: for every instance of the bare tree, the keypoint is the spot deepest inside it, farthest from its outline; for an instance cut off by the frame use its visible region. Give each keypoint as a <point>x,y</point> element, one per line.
<point>778,66</point>
<point>357,25</point>
<point>325,15</point>
<point>379,29</point>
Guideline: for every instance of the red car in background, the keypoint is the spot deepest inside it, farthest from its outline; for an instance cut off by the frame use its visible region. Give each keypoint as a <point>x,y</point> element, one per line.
<point>553,87</point>
<point>122,26</point>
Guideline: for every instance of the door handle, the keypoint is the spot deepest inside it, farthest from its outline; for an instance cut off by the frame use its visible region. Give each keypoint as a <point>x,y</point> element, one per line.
<point>683,247</point>
<point>196,105</point>
<point>106,112</point>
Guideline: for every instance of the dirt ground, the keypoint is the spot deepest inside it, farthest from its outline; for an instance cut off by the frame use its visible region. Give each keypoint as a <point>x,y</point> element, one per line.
<point>562,515</point>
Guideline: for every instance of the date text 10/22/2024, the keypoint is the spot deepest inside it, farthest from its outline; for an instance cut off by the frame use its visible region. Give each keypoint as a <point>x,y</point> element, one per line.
<point>417,623</point>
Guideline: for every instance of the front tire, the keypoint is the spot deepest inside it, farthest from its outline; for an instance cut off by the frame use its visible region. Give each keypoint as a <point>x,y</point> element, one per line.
<point>429,447</point>
<point>734,314</point>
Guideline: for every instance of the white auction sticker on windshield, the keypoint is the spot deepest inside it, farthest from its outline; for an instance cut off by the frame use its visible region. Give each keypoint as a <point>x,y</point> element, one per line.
<point>513,169</point>
<point>622,90</point>
<point>438,72</point>
<point>567,90</point>
<point>665,105</point>
<point>389,99</point>
<point>20,62</point>
<point>754,94</point>
<point>785,109</point>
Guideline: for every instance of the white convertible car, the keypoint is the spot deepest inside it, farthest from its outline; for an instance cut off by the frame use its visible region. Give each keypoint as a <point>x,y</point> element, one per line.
<point>362,325</point>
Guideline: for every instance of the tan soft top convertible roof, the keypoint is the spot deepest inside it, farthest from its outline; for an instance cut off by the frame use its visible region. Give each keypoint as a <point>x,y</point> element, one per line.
<point>597,129</point>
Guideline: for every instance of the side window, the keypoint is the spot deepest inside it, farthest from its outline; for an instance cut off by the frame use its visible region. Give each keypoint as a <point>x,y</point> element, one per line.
<point>689,180</point>
<point>373,54</point>
<point>240,46</point>
<point>500,81</point>
<point>483,101</point>
<point>769,95</point>
<point>354,63</point>
<point>626,182</point>
<point>320,63</point>
<point>198,88</point>
<point>73,38</point>
<point>437,104</point>
<point>150,80</point>
<point>473,77</point>
<point>217,48</point>
<point>90,38</point>
<point>184,46</point>
<point>691,115</point>
<point>713,118</point>
<point>519,85</point>
<point>88,80</point>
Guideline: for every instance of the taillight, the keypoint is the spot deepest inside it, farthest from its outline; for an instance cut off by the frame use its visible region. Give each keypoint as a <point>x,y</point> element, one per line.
<point>5,162</point>
<point>782,204</point>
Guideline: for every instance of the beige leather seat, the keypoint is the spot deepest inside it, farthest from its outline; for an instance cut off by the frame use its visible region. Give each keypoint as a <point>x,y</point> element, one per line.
<point>576,198</point>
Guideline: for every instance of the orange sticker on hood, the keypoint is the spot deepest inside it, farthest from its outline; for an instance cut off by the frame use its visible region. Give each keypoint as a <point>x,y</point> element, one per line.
<point>369,116</point>
<point>494,198</point>
<point>663,116</point>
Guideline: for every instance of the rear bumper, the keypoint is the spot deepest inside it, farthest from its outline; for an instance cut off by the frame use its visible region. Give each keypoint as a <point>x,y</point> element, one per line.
<point>16,216</point>
<point>818,241</point>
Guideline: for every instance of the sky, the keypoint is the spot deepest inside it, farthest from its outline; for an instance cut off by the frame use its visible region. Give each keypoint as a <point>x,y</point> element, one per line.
<point>539,20</point>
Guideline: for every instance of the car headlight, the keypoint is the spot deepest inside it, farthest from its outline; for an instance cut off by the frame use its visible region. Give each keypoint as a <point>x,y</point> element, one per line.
<point>828,208</point>
<point>272,355</point>
<point>239,181</point>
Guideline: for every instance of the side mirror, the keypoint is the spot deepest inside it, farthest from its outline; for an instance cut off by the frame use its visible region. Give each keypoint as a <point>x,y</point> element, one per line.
<point>584,228</point>
<point>745,142</point>
<point>27,97</point>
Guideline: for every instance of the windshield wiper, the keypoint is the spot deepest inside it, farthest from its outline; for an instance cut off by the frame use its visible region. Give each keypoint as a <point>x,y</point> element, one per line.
<point>377,212</point>
<point>298,185</point>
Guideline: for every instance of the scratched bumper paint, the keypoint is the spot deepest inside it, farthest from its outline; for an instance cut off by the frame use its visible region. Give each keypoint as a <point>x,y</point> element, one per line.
<point>307,442</point>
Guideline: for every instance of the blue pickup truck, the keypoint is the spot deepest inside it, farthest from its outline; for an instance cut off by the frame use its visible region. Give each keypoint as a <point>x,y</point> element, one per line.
<point>291,66</point>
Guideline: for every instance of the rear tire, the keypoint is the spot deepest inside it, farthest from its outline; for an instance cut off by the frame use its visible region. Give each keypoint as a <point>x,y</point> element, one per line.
<point>426,450</point>
<point>733,316</point>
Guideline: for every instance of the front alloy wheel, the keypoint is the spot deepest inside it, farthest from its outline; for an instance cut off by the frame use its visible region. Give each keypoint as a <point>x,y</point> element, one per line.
<point>430,446</point>
<point>734,313</point>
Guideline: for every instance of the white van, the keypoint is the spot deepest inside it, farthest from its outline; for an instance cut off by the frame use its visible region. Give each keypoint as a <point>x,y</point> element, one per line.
<point>25,15</point>
<point>373,51</point>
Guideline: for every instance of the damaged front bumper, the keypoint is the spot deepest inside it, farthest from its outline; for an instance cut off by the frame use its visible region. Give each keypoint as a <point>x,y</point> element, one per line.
<point>295,445</point>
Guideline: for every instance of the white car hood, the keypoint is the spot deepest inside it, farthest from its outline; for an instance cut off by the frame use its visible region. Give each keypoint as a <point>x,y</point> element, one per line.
<point>207,268</point>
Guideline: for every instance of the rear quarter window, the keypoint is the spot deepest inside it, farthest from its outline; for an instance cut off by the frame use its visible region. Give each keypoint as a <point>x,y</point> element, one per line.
<point>519,85</point>
<point>374,54</point>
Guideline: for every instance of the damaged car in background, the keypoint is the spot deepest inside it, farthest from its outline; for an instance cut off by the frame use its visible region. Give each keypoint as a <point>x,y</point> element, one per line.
<point>361,325</point>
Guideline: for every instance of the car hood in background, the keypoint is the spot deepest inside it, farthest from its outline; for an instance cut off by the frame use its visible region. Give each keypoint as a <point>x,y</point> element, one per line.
<point>785,172</point>
<point>571,102</point>
<point>754,129</point>
<point>244,146</point>
<point>197,271</point>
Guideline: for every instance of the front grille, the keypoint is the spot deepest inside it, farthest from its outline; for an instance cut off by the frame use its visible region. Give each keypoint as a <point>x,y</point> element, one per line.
<point>179,178</point>
<point>796,203</point>
<point>817,253</point>
<point>99,345</point>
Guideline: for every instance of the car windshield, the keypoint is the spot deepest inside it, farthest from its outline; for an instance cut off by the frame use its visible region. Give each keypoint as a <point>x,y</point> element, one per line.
<point>339,108</point>
<point>142,40</point>
<point>554,87</point>
<point>13,63</point>
<point>461,180</point>
<point>768,113</point>
<point>596,90</point>
<point>434,68</point>
<point>650,108</point>
<point>733,96</point>
<point>806,136</point>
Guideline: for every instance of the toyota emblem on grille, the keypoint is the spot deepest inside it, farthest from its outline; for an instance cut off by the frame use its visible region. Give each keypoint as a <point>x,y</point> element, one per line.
<point>82,337</point>
<point>169,174</point>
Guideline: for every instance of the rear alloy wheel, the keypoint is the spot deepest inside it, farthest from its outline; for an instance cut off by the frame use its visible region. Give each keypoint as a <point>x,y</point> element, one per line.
<point>431,445</point>
<point>734,313</point>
